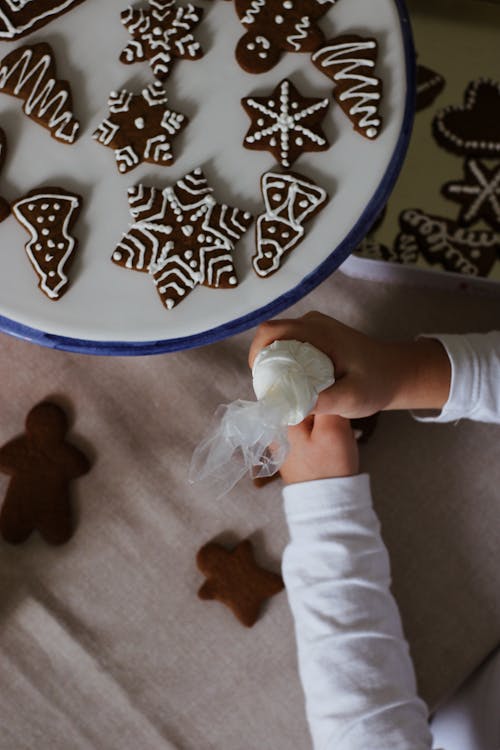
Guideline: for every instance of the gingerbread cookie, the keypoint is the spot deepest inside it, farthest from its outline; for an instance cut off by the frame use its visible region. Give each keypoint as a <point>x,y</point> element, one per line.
<point>49,213</point>
<point>478,194</point>
<point>29,73</point>
<point>182,237</point>
<point>290,201</point>
<point>235,579</point>
<point>285,123</point>
<point>161,34</point>
<point>277,26</point>
<point>140,127</point>
<point>472,130</point>
<point>349,61</point>
<point>429,85</point>
<point>4,206</point>
<point>466,251</point>
<point>21,17</point>
<point>40,464</point>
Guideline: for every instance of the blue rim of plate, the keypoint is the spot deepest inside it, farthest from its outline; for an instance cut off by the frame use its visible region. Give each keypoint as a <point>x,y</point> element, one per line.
<point>308,283</point>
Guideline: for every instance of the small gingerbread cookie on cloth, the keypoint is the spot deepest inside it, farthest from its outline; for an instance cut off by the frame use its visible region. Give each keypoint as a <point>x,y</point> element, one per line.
<point>478,194</point>
<point>161,34</point>
<point>140,127</point>
<point>21,17</point>
<point>29,73</point>
<point>277,26</point>
<point>40,464</point>
<point>285,123</point>
<point>48,214</point>
<point>236,580</point>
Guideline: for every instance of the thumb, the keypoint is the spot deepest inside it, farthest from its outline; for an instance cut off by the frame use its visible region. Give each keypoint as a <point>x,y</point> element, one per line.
<point>340,398</point>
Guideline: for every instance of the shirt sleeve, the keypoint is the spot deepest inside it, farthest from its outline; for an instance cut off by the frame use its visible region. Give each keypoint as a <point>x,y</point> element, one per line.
<point>475,378</point>
<point>354,663</point>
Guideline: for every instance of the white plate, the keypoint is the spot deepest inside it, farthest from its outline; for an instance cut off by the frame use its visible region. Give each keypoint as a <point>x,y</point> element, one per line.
<point>110,310</point>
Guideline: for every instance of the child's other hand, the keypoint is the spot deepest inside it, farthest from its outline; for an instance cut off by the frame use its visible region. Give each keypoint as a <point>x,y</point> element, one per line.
<point>371,375</point>
<point>321,447</point>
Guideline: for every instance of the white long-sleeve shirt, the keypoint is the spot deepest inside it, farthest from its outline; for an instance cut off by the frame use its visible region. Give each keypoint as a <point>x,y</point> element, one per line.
<point>354,663</point>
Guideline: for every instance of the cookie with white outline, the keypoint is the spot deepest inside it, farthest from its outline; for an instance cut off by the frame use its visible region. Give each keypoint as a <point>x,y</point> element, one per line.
<point>21,17</point>
<point>350,61</point>
<point>277,26</point>
<point>472,129</point>
<point>429,85</point>
<point>49,214</point>
<point>285,123</point>
<point>291,200</point>
<point>140,127</point>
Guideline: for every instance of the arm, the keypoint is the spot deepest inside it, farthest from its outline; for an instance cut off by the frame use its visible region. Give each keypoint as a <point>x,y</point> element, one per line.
<point>354,663</point>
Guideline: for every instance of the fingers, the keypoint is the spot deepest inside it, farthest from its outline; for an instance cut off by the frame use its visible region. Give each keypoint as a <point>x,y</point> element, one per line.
<point>273,330</point>
<point>331,424</point>
<point>300,432</point>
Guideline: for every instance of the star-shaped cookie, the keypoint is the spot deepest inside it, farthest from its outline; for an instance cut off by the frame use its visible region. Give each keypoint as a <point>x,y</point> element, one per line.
<point>161,34</point>
<point>285,123</point>
<point>182,237</point>
<point>140,127</point>
<point>478,193</point>
<point>236,580</point>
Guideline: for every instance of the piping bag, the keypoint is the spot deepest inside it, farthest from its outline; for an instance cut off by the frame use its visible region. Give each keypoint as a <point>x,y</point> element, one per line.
<point>251,436</point>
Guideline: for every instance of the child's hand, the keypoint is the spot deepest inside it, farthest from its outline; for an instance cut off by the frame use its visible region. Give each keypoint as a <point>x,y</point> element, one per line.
<point>371,375</point>
<point>320,447</point>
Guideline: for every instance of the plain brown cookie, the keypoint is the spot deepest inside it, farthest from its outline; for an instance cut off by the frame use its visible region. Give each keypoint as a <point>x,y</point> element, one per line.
<point>29,73</point>
<point>21,17</point>
<point>236,580</point>
<point>41,465</point>
<point>48,214</point>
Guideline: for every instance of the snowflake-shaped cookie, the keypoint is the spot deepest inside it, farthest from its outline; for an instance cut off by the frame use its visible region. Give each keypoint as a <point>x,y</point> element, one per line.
<point>285,123</point>
<point>277,26</point>
<point>479,193</point>
<point>161,34</point>
<point>140,127</point>
<point>182,237</point>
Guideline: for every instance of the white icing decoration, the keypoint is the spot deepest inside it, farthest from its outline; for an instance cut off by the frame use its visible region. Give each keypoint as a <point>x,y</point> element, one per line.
<point>342,62</point>
<point>301,31</point>
<point>43,95</point>
<point>279,19</point>
<point>10,30</point>
<point>139,123</point>
<point>253,11</point>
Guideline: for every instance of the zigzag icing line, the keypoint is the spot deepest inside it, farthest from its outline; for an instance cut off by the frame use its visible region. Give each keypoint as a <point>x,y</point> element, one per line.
<point>253,11</point>
<point>42,94</point>
<point>301,28</point>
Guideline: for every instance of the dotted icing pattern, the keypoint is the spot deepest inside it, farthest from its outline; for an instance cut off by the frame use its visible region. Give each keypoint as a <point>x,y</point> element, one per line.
<point>182,237</point>
<point>48,215</point>
<point>286,123</point>
<point>140,127</point>
<point>161,34</point>
<point>290,201</point>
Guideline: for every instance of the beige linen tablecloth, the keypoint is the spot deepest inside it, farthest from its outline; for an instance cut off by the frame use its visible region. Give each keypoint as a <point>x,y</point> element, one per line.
<point>104,643</point>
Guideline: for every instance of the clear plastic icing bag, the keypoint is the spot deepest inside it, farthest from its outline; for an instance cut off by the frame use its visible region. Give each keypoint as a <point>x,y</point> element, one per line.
<point>251,436</point>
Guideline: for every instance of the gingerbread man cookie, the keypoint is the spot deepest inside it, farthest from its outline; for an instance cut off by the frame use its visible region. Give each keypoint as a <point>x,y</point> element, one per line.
<point>21,17</point>
<point>48,214</point>
<point>277,26</point>
<point>285,123</point>
<point>161,34</point>
<point>182,237</point>
<point>350,61</point>
<point>41,464</point>
<point>290,201</point>
<point>235,579</point>
<point>140,127</point>
<point>29,73</point>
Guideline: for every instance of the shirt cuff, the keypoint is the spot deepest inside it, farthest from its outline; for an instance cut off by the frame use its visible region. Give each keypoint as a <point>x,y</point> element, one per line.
<point>326,497</point>
<point>465,385</point>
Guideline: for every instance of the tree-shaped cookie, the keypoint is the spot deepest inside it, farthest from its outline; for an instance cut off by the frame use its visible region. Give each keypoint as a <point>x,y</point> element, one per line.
<point>29,73</point>
<point>48,213</point>
<point>350,61</point>
<point>235,579</point>
<point>277,26</point>
<point>140,127</point>
<point>161,34</point>
<point>41,464</point>
<point>182,237</point>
